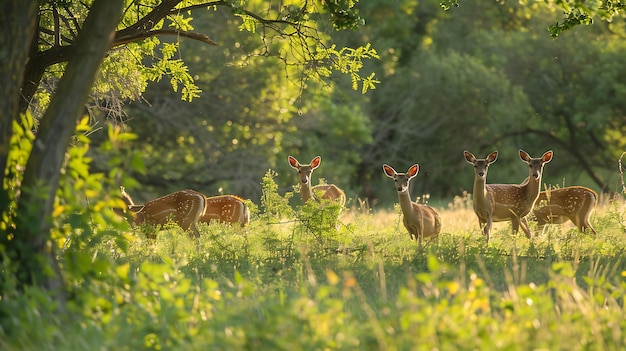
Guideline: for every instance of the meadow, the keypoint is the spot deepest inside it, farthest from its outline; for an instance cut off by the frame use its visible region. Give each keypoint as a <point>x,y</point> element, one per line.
<point>295,279</point>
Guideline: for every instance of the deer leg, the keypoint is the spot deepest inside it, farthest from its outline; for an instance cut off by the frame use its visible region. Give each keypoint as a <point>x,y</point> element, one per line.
<point>420,229</point>
<point>584,224</point>
<point>524,225</point>
<point>195,230</point>
<point>515,224</point>
<point>578,222</point>
<point>487,230</point>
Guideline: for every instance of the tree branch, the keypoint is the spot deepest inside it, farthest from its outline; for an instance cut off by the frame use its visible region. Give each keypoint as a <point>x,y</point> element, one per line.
<point>240,11</point>
<point>148,21</point>
<point>57,27</point>
<point>154,33</point>
<point>52,33</point>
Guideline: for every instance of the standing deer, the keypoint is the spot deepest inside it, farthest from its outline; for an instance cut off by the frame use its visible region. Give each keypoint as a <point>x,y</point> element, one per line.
<point>421,221</point>
<point>183,207</point>
<point>226,209</point>
<point>557,206</point>
<point>505,202</point>
<point>327,191</point>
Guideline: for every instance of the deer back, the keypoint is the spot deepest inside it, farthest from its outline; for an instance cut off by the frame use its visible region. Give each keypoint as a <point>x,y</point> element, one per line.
<point>228,209</point>
<point>183,207</point>
<point>558,205</point>
<point>330,192</point>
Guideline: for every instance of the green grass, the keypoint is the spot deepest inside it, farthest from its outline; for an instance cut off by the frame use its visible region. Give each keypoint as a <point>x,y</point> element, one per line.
<point>297,281</point>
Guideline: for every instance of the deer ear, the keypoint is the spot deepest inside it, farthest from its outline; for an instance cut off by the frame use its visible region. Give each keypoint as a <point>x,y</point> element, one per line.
<point>469,157</point>
<point>524,155</point>
<point>389,171</point>
<point>293,162</point>
<point>547,156</point>
<point>316,162</point>
<point>413,170</point>
<point>492,157</point>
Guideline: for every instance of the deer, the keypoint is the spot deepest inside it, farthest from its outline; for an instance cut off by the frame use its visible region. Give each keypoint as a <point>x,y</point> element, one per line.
<point>184,207</point>
<point>421,221</point>
<point>506,202</point>
<point>307,192</point>
<point>557,206</point>
<point>226,209</point>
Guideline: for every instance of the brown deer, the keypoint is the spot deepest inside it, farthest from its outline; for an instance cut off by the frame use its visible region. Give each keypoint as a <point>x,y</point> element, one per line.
<point>307,192</point>
<point>420,221</point>
<point>557,206</point>
<point>226,209</point>
<point>183,207</point>
<point>505,202</point>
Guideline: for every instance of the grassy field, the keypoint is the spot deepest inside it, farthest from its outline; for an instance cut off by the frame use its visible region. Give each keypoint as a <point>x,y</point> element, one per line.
<point>300,281</point>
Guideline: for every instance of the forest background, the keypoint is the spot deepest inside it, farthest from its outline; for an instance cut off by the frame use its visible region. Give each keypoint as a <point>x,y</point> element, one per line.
<point>479,77</point>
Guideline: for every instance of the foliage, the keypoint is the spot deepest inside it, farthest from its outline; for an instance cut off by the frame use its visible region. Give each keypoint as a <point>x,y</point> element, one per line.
<point>274,205</point>
<point>20,147</point>
<point>122,76</point>
<point>73,215</point>
<point>82,208</point>
<point>315,224</point>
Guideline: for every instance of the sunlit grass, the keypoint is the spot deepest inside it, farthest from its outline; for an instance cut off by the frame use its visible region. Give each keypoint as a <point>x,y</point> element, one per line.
<point>362,284</point>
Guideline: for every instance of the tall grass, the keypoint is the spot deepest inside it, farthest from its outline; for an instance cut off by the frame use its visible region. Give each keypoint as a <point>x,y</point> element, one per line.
<point>297,280</point>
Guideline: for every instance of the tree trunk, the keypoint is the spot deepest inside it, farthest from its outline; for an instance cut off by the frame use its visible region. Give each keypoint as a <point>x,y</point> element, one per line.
<point>32,250</point>
<point>18,20</point>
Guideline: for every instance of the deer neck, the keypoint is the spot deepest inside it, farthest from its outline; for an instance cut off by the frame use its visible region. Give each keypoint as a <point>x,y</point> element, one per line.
<point>306,192</point>
<point>480,192</point>
<point>405,203</point>
<point>531,189</point>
